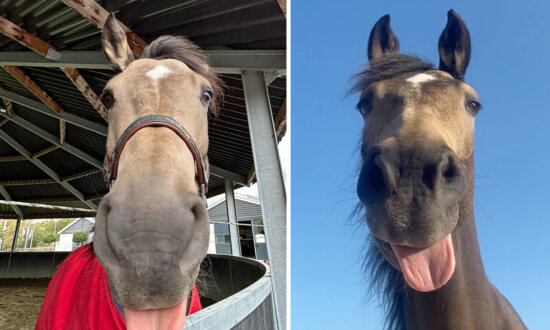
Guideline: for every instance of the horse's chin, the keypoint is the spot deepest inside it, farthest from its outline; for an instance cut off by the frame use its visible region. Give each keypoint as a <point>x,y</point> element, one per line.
<point>424,269</point>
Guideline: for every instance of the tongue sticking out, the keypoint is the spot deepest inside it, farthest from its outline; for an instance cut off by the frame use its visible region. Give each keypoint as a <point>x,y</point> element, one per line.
<point>429,268</point>
<point>171,318</point>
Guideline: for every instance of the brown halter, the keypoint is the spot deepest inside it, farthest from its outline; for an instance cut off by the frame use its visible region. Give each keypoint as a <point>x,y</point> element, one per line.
<point>111,163</point>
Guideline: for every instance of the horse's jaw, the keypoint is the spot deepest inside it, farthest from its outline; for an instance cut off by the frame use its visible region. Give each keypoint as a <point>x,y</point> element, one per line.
<point>172,318</point>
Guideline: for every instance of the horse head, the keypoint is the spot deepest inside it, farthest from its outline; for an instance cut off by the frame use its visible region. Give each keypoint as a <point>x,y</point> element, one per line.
<point>152,228</point>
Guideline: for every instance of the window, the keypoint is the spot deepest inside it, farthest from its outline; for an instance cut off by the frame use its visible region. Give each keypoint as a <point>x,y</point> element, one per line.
<point>223,239</point>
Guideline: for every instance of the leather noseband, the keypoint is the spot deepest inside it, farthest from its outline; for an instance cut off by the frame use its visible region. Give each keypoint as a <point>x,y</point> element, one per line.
<point>111,163</point>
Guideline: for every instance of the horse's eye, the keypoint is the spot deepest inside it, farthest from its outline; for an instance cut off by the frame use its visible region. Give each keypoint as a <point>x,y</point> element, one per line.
<point>473,107</point>
<point>206,98</point>
<point>364,106</point>
<point>107,99</point>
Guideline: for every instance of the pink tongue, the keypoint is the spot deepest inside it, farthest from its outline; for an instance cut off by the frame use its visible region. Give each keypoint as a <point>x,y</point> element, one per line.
<point>171,318</point>
<point>427,269</point>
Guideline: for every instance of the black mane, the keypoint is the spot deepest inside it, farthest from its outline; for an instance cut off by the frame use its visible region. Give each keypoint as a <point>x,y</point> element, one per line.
<point>181,49</point>
<point>387,284</point>
<point>389,66</point>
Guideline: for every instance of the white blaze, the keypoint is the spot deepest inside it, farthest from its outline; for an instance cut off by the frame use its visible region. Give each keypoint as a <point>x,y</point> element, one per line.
<point>420,78</point>
<point>158,72</point>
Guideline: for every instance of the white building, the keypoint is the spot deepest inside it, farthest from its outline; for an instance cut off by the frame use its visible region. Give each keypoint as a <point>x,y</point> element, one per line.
<point>66,243</point>
<point>251,238</point>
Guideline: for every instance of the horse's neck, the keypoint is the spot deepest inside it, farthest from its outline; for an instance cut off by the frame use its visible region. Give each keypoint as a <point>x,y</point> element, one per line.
<point>468,300</point>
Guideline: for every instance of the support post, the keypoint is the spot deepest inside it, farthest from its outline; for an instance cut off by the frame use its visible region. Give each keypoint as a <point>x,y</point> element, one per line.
<point>270,183</point>
<point>16,234</point>
<point>232,217</point>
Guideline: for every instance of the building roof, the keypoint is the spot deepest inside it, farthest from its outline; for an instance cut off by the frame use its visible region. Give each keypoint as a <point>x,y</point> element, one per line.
<point>217,26</point>
<point>80,224</point>
<point>248,208</point>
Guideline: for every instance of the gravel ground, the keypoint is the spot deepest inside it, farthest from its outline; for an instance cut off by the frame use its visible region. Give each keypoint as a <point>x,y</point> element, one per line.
<point>20,302</point>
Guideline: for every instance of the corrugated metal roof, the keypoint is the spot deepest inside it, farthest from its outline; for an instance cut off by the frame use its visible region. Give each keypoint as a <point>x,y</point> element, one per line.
<point>246,210</point>
<point>228,24</point>
<point>80,224</point>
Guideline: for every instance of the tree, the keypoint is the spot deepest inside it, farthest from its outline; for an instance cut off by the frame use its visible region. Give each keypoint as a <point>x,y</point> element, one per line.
<point>50,238</point>
<point>261,226</point>
<point>80,237</point>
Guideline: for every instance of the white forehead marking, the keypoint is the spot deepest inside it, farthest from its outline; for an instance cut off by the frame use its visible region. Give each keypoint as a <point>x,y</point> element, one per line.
<point>158,72</point>
<point>420,78</point>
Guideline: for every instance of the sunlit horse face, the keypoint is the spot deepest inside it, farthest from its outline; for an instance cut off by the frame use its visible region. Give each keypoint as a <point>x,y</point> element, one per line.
<point>152,227</point>
<point>417,149</point>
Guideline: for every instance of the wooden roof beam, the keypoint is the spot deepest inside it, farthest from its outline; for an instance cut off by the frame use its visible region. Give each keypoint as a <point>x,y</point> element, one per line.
<point>55,140</point>
<point>26,182</point>
<point>33,87</point>
<point>47,181</point>
<point>97,15</point>
<point>45,168</point>
<point>28,40</point>
<point>67,116</point>
<point>38,92</point>
<point>47,150</point>
<point>62,130</point>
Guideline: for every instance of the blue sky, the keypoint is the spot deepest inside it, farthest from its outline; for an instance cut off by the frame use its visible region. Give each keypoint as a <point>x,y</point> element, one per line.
<point>509,69</point>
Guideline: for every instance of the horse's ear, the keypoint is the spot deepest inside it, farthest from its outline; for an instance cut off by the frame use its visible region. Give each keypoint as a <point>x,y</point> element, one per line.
<point>382,40</point>
<point>454,46</point>
<point>115,44</point>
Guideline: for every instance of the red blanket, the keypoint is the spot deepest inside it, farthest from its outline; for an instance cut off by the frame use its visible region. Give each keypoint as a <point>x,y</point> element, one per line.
<point>78,296</point>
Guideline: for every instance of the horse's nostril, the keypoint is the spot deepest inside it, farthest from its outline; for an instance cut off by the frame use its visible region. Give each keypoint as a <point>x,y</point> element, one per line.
<point>375,176</point>
<point>450,171</point>
<point>446,171</point>
<point>376,179</point>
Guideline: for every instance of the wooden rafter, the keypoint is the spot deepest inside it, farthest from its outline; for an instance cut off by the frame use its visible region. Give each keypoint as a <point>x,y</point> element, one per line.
<point>25,38</point>
<point>45,151</point>
<point>6,159</point>
<point>93,12</point>
<point>81,174</point>
<point>18,34</point>
<point>46,181</point>
<point>40,153</point>
<point>77,80</point>
<point>62,130</point>
<point>45,168</point>
<point>33,87</point>
<point>60,199</point>
<point>26,182</point>
<point>38,92</point>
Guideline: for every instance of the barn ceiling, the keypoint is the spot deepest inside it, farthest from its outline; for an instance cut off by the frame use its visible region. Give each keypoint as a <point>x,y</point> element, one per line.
<point>52,134</point>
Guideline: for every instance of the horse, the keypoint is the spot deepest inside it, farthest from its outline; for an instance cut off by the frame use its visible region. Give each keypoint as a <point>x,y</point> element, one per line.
<point>152,227</point>
<point>416,184</point>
